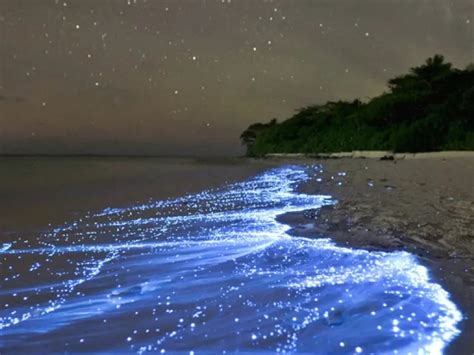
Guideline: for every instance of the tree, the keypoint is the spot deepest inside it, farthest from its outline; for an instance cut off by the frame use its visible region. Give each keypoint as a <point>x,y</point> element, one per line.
<point>429,108</point>
<point>249,136</point>
<point>421,77</point>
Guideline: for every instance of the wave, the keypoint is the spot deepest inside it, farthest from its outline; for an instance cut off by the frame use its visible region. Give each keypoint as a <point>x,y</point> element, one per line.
<point>216,271</point>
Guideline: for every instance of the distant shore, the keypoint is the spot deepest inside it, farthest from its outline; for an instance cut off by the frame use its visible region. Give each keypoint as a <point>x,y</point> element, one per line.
<point>411,203</point>
<point>377,154</point>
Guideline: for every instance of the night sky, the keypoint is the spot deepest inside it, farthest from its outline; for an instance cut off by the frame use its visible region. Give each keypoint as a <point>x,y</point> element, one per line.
<point>185,77</point>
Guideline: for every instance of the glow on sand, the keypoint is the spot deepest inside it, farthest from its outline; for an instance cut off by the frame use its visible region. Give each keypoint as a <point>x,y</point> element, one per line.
<point>215,271</point>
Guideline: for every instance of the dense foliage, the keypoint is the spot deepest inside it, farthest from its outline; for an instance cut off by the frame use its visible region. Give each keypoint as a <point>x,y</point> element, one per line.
<point>430,108</point>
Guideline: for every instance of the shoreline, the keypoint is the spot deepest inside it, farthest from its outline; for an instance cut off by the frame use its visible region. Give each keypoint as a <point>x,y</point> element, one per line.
<point>369,217</point>
<point>444,270</point>
<point>374,154</point>
<point>422,206</point>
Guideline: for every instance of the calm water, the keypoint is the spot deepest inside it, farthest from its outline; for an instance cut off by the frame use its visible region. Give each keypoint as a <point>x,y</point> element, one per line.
<point>215,271</point>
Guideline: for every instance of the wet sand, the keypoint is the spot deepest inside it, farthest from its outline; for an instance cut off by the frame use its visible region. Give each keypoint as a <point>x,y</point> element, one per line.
<point>424,206</point>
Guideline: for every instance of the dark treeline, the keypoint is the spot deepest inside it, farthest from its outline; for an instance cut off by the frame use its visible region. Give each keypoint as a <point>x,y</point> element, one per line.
<point>430,108</point>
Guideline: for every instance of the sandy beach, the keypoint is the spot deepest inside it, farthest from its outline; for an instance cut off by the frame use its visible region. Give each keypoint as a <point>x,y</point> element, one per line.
<point>424,205</point>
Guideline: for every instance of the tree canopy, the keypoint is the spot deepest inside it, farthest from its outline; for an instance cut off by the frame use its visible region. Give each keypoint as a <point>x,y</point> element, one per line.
<point>430,108</point>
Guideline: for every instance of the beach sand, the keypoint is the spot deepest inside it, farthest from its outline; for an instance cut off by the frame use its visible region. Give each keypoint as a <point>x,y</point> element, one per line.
<point>424,205</point>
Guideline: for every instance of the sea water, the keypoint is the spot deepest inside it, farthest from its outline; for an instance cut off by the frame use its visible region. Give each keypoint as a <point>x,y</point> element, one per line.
<point>215,271</point>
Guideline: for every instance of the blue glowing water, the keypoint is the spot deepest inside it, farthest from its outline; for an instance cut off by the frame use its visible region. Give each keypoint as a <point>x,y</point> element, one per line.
<point>216,271</point>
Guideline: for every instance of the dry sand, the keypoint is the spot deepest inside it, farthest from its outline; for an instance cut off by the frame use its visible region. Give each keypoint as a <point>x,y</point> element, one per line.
<point>424,205</point>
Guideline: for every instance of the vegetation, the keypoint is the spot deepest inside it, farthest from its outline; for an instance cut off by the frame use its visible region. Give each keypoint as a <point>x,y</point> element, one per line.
<point>430,108</point>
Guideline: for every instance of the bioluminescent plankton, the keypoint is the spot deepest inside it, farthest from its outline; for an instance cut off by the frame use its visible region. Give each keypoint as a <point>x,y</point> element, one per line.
<point>216,271</point>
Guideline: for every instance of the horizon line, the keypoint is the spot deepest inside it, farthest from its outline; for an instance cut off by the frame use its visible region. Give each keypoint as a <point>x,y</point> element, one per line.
<point>92,155</point>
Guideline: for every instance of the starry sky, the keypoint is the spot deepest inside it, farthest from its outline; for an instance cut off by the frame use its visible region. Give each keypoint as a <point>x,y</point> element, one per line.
<point>185,77</point>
